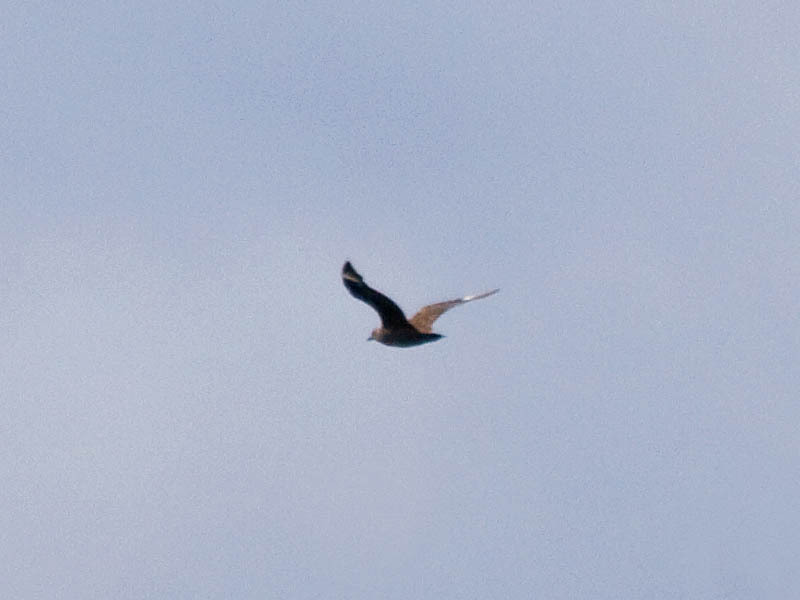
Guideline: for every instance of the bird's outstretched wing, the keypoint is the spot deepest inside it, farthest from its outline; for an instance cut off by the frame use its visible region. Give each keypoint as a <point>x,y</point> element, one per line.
<point>391,315</point>
<point>423,320</point>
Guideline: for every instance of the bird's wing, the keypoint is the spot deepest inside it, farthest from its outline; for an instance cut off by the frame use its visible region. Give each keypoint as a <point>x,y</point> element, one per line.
<point>423,320</point>
<point>391,315</point>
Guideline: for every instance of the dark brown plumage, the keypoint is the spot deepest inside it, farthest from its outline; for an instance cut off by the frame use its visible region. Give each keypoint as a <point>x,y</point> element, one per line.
<point>395,329</point>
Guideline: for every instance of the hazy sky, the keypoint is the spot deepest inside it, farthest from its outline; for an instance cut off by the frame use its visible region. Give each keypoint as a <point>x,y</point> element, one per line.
<point>189,406</point>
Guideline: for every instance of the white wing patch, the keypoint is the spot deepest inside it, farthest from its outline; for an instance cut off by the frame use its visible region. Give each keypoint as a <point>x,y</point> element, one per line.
<point>479,296</point>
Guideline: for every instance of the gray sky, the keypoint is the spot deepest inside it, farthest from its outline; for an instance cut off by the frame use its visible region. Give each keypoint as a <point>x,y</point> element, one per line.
<point>190,409</point>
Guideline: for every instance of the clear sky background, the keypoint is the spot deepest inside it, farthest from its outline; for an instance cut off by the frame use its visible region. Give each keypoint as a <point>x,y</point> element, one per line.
<point>189,406</point>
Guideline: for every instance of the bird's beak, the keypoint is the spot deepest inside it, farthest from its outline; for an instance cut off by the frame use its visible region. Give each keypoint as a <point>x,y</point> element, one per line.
<point>370,338</point>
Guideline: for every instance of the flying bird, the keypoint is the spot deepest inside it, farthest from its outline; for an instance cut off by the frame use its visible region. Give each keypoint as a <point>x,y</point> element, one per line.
<point>395,329</point>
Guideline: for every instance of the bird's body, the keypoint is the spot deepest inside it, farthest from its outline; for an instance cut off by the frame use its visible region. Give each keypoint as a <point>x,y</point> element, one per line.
<point>395,329</point>
<point>402,337</point>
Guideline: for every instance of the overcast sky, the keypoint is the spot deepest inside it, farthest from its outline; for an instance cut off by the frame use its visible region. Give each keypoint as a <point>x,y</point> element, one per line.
<point>189,405</point>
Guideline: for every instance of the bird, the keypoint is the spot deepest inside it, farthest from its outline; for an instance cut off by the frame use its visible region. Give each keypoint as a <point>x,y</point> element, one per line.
<point>395,329</point>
